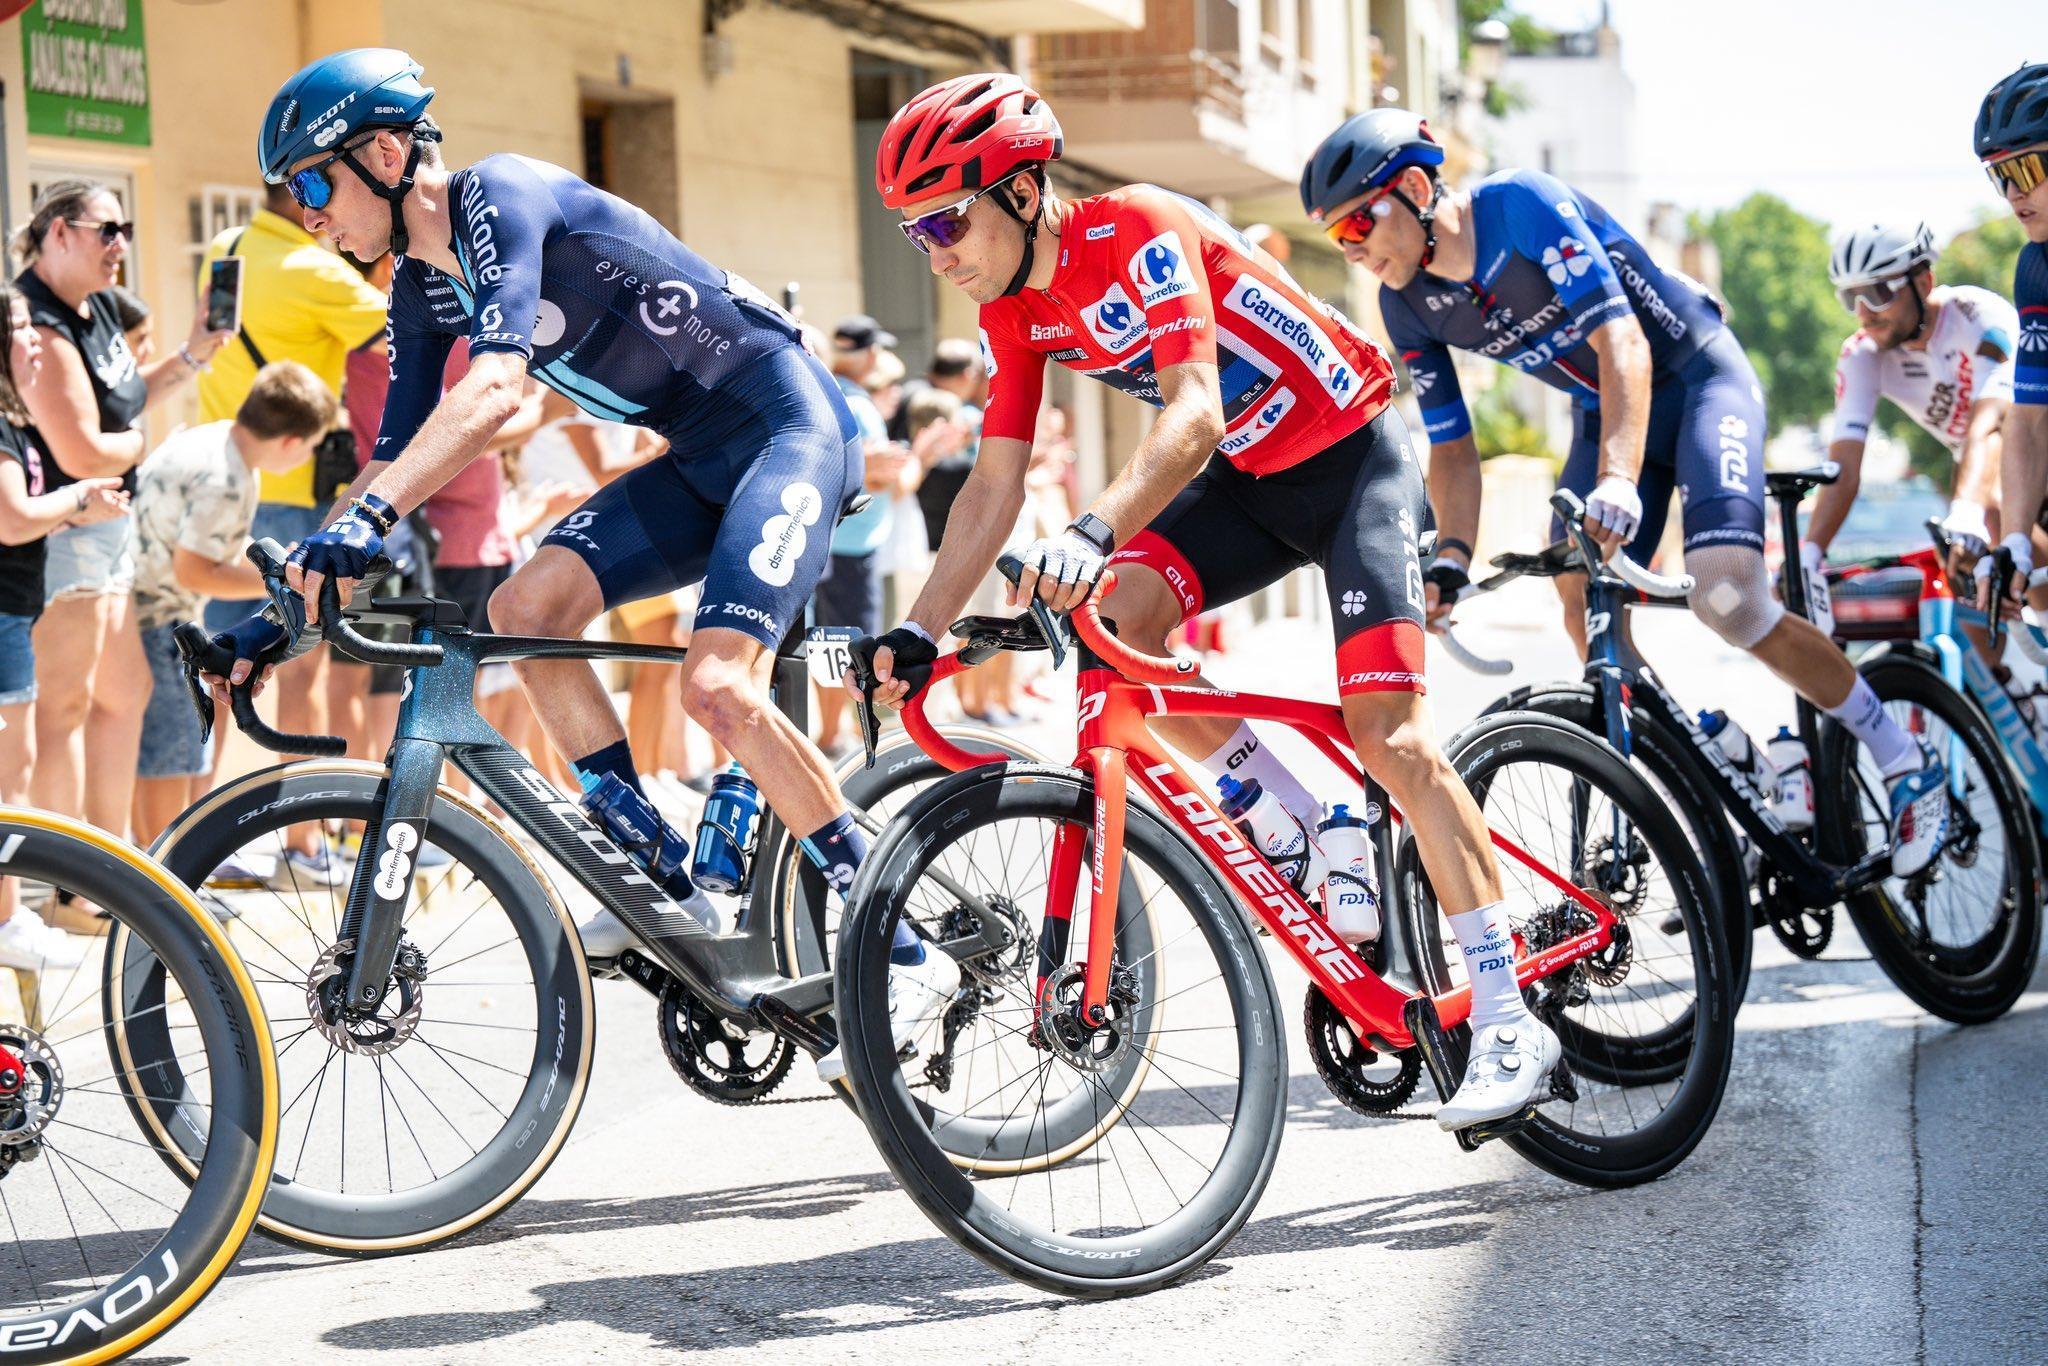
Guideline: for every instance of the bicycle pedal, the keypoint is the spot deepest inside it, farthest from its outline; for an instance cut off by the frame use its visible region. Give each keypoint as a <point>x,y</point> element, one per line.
<point>1471,1137</point>
<point>1563,1085</point>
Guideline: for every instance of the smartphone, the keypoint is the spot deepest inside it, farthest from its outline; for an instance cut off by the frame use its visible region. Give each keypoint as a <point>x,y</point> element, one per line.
<point>224,295</point>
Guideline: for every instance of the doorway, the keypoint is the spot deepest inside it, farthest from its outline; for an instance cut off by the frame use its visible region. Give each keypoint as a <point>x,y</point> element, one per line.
<point>894,282</point>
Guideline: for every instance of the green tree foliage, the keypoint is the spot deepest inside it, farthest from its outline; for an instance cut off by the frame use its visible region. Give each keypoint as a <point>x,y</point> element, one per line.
<point>1774,274</point>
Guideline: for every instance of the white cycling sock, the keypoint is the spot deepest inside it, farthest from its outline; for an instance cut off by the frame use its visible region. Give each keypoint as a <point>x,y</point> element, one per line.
<point>1245,757</point>
<point>1870,723</point>
<point>1488,940</point>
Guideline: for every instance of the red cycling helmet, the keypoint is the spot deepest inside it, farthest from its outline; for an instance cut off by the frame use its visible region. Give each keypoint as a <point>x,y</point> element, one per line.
<point>962,135</point>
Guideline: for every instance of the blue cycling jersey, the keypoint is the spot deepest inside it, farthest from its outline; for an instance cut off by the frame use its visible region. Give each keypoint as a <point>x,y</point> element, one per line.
<point>608,307</point>
<point>2030,295</point>
<point>1552,267</point>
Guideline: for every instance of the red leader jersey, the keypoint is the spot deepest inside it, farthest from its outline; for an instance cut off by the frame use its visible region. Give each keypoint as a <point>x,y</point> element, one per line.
<point>1147,279</point>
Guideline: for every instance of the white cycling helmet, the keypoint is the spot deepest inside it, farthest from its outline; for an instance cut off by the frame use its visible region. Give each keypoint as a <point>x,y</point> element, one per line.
<point>1879,251</point>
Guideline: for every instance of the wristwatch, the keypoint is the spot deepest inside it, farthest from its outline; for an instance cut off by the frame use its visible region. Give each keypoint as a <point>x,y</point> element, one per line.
<point>1095,531</point>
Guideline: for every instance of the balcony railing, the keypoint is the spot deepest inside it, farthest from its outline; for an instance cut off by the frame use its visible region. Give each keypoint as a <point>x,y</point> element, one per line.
<point>1193,78</point>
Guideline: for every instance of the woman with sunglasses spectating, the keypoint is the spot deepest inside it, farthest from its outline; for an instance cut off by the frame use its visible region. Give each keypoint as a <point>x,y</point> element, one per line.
<point>548,276</point>
<point>85,400</point>
<point>1275,448</point>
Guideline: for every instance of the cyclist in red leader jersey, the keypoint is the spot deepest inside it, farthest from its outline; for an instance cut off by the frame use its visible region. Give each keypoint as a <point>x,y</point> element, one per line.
<point>1274,449</point>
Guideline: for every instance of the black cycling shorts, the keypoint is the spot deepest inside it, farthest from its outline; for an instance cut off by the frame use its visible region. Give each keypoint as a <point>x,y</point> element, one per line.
<point>1354,509</point>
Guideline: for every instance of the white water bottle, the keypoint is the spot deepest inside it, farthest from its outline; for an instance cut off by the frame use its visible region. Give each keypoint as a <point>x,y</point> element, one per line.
<point>1274,831</point>
<point>1793,804</point>
<point>1351,893</point>
<point>1747,758</point>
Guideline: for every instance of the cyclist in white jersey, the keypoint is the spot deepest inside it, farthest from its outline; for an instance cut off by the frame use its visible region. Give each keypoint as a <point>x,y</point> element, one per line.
<point>1943,353</point>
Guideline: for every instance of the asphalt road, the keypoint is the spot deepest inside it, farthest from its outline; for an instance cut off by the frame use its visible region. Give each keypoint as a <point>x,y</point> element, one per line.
<point>1870,1192</point>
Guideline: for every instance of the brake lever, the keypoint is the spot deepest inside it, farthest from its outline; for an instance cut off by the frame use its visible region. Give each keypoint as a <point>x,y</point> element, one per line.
<point>1012,568</point>
<point>864,711</point>
<point>201,656</point>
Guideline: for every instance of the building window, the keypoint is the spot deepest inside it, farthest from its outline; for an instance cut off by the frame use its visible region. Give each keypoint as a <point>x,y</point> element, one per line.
<point>1305,38</point>
<point>212,211</point>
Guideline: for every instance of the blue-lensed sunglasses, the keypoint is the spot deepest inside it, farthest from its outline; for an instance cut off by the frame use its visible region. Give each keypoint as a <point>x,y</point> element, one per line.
<point>311,187</point>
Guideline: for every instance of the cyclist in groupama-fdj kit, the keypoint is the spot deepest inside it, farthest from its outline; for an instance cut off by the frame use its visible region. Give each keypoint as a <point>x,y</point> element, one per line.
<point>2012,142</point>
<point>1274,449</point>
<point>1528,271</point>
<point>552,279</point>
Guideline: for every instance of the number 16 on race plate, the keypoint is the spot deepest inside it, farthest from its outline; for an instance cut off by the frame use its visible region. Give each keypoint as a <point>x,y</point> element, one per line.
<point>830,653</point>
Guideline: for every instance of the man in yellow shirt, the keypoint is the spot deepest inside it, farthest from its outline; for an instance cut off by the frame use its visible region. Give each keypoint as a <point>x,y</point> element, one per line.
<point>304,303</point>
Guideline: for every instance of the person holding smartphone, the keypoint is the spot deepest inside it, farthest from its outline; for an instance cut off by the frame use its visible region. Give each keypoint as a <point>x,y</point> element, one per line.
<point>85,400</point>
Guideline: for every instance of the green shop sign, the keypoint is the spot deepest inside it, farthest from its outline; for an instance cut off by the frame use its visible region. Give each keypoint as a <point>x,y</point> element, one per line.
<point>88,75</point>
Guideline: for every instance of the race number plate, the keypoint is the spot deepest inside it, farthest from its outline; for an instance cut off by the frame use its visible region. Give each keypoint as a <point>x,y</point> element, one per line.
<point>829,652</point>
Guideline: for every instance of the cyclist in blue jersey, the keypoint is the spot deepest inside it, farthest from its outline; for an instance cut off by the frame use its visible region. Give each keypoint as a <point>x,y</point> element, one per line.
<point>1528,271</point>
<point>2012,142</point>
<point>549,277</point>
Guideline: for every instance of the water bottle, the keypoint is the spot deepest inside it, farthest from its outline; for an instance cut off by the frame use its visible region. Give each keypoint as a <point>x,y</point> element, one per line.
<point>1351,893</point>
<point>1747,759</point>
<point>636,827</point>
<point>1272,829</point>
<point>725,832</point>
<point>1793,804</point>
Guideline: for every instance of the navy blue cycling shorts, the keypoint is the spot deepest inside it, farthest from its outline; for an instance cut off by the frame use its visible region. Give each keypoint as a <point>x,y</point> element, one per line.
<point>751,518</point>
<point>1706,440</point>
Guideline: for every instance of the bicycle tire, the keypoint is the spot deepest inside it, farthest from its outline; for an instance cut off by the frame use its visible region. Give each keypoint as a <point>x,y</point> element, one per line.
<point>1964,987</point>
<point>1666,759</point>
<point>543,1113</point>
<point>241,1114</point>
<point>1044,1257</point>
<point>1480,755</point>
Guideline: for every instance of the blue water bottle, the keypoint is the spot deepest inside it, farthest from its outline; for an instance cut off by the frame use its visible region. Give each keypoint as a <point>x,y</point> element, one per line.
<point>725,833</point>
<point>636,827</point>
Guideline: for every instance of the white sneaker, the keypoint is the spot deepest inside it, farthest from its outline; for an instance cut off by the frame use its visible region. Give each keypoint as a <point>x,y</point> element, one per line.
<point>605,936</point>
<point>1510,1065</point>
<point>918,995</point>
<point>1919,801</point>
<point>298,870</point>
<point>27,943</point>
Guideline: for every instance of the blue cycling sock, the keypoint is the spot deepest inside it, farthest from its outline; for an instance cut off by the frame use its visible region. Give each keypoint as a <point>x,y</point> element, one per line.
<point>616,758</point>
<point>837,848</point>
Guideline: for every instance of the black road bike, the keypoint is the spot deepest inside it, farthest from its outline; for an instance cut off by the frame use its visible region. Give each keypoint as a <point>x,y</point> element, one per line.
<point>433,1011</point>
<point>1959,937</point>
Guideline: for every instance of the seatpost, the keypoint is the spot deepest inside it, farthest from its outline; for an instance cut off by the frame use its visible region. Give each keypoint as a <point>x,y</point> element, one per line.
<point>1794,567</point>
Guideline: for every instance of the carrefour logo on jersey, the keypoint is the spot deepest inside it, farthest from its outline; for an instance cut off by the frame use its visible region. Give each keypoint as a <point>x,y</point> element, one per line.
<point>1114,321</point>
<point>1279,318</point>
<point>1261,424</point>
<point>1160,270</point>
<point>988,354</point>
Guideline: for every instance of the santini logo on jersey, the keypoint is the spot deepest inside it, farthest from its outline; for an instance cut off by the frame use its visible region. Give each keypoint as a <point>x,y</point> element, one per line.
<point>1050,331</point>
<point>1260,425</point>
<point>1281,319</point>
<point>1114,321</point>
<point>1160,270</point>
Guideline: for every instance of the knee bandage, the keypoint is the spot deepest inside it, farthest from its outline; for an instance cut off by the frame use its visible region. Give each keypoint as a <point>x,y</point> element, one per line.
<point>1732,593</point>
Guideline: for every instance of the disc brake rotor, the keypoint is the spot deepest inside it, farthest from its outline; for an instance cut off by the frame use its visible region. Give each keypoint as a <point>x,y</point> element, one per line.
<point>372,1030</point>
<point>1061,1031</point>
<point>718,1058</point>
<point>27,1107</point>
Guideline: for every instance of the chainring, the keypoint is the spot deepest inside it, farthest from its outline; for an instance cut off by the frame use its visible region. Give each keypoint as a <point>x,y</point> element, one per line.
<point>1802,929</point>
<point>718,1058</point>
<point>1366,1080</point>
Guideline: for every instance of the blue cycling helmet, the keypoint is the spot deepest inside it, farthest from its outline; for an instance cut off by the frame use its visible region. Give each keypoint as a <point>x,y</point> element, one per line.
<point>2014,114</point>
<point>1365,152</point>
<point>331,100</point>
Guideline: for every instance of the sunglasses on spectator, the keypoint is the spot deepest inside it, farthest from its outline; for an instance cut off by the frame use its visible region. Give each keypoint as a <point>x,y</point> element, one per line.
<point>2021,172</point>
<point>1875,296</point>
<point>942,227</point>
<point>1356,226</point>
<point>108,230</point>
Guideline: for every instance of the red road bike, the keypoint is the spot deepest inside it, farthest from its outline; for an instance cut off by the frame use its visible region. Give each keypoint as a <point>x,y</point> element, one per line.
<point>1109,972</point>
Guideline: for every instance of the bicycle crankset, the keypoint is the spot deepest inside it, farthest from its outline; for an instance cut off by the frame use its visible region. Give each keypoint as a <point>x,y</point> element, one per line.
<point>1804,930</point>
<point>382,1025</point>
<point>718,1058</point>
<point>1366,1080</point>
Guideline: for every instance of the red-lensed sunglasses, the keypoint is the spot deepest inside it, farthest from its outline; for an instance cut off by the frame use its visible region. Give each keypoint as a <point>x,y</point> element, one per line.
<point>1356,226</point>
<point>942,227</point>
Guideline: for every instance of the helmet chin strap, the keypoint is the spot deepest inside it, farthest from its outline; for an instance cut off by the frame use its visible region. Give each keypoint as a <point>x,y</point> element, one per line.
<point>1426,217</point>
<point>1030,235</point>
<point>394,195</point>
